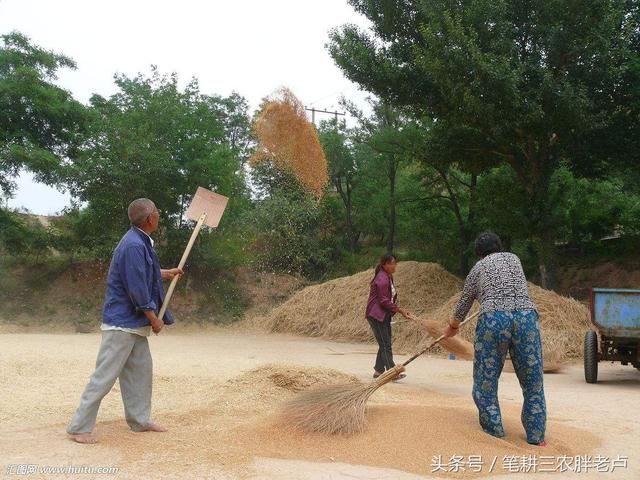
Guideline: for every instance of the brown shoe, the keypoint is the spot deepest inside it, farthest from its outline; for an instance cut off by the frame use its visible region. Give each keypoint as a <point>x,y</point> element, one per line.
<point>376,374</point>
<point>400,377</point>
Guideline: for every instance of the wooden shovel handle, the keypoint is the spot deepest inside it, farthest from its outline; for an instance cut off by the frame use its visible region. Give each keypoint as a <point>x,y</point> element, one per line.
<point>183,260</point>
<point>437,340</point>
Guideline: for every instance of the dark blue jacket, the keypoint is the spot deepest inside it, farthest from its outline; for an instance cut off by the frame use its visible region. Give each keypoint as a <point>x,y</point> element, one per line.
<point>134,283</point>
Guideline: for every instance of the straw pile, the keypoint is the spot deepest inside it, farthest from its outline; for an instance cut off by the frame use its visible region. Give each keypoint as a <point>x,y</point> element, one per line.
<point>563,322</point>
<point>336,309</point>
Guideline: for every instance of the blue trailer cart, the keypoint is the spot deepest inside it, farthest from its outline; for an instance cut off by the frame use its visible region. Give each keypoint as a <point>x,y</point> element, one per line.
<point>615,314</point>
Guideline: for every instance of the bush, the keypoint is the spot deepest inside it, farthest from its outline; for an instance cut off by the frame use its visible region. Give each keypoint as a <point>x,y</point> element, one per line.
<point>21,235</point>
<point>288,236</point>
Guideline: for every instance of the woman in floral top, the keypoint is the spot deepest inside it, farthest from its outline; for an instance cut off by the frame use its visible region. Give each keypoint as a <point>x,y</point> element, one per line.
<point>508,322</point>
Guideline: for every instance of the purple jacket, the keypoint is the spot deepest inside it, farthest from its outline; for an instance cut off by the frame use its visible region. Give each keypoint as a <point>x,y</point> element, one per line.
<point>380,302</point>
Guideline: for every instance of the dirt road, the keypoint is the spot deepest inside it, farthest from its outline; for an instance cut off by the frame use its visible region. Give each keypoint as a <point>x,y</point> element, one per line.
<point>218,414</point>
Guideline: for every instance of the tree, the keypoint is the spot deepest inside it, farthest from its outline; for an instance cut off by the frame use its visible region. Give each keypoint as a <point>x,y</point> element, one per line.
<point>233,111</point>
<point>14,234</point>
<point>40,123</point>
<point>584,210</point>
<point>151,139</point>
<point>386,135</point>
<point>371,194</point>
<point>288,234</point>
<point>267,180</point>
<point>341,158</point>
<point>450,180</point>
<point>522,82</point>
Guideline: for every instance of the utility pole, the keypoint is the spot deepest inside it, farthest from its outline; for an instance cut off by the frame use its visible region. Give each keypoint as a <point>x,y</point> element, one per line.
<point>313,111</point>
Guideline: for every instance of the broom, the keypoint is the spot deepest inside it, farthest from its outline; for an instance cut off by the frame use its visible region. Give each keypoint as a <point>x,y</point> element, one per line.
<point>341,408</point>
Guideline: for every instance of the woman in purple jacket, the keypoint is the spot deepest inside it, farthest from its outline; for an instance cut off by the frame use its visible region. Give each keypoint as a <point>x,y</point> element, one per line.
<point>381,307</point>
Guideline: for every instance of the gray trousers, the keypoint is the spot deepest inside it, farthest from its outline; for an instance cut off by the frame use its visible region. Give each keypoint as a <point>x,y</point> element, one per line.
<point>123,356</point>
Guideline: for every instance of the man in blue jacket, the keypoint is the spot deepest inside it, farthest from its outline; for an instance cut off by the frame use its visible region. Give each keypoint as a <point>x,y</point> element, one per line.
<point>134,297</point>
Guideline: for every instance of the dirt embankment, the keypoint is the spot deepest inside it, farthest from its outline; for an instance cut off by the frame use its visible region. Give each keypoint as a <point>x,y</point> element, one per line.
<point>576,280</point>
<point>70,295</point>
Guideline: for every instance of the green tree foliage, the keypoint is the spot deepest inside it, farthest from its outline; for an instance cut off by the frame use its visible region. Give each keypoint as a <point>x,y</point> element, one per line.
<point>14,234</point>
<point>40,122</point>
<point>286,239</point>
<point>291,230</point>
<point>268,180</point>
<point>584,210</point>
<point>521,82</point>
<point>388,135</point>
<point>343,168</point>
<point>152,139</point>
<point>520,117</point>
<point>24,235</point>
<point>371,195</point>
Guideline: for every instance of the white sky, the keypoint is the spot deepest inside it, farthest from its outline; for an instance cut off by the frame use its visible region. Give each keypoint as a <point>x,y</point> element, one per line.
<point>250,46</point>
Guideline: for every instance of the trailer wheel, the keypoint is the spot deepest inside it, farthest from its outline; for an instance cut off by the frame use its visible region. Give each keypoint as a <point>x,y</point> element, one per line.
<point>591,357</point>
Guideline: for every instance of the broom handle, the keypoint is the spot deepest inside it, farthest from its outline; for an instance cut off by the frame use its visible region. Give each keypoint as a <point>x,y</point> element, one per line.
<point>437,340</point>
<point>183,260</point>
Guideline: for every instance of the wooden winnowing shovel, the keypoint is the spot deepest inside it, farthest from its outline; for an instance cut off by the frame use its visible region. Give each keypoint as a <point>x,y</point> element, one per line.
<point>206,209</point>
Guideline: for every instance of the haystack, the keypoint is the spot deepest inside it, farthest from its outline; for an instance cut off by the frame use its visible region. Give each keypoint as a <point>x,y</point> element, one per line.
<point>563,322</point>
<point>336,309</point>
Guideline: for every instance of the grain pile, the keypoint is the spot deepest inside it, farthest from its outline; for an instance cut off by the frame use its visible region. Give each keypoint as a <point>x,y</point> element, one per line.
<point>220,425</point>
<point>416,424</point>
<point>334,409</point>
<point>336,309</point>
<point>241,423</point>
<point>275,380</point>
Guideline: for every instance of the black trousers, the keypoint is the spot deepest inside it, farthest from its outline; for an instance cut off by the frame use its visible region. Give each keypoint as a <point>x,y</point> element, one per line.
<point>382,332</point>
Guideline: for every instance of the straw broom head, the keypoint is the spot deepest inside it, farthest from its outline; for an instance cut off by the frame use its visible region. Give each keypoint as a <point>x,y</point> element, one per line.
<point>335,408</point>
<point>341,409</point>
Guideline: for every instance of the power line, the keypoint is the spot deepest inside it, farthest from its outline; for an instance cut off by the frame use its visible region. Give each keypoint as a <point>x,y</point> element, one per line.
<point>313,111</point>
<point>335,93</point>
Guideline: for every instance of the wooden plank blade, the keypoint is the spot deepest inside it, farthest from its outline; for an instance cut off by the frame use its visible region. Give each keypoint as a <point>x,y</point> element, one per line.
<point>210,203</point>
